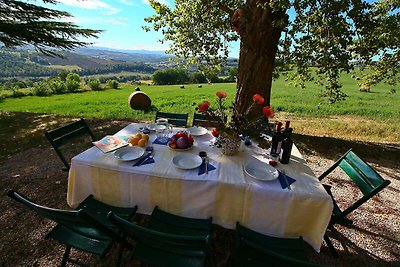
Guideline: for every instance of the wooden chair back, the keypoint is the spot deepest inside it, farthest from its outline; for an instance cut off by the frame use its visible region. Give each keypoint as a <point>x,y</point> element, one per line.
<point>176,119</point>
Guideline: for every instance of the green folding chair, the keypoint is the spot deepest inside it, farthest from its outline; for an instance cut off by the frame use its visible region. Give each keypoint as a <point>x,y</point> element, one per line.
<point>169,240</point>
<point>85,230</point>
<point>175,119</point>
<point>65,134</point>
<point>364,177</point>
<point>253,249</point>
<point>204,120</point>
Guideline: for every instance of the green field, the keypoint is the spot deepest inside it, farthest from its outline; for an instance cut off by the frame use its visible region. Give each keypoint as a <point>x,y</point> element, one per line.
<point>373,116</point>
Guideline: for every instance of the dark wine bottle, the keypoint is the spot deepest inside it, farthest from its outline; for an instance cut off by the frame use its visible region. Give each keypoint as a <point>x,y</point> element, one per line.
<point>287,145</point>
<point>276,140</point>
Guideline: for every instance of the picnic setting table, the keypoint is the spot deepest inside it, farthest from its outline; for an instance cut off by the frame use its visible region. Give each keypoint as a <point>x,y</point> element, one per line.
<point>230,192</point>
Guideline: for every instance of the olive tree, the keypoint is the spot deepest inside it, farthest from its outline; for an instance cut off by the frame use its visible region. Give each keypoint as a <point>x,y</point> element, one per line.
<point>319,38</point>
<point>24,23</point>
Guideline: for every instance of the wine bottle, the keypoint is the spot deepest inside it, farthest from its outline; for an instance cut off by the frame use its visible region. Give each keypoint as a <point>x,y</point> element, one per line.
<point>287,145</point>
<point>276,140</point>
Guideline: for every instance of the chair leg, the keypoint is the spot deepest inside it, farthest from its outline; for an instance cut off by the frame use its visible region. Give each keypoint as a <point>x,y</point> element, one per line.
<point>65,256</point>
<point>331,247</point>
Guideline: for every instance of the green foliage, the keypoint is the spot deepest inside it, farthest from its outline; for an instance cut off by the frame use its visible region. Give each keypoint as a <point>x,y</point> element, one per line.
<point>73,82</point>
<point>113,84</point>
<point>23,23</point>
<point>58,87</point>
<point>170,76</point>
<point>41,89</point>
<point>197,77</point>
<point>332,36</point>
<point>95,85</point>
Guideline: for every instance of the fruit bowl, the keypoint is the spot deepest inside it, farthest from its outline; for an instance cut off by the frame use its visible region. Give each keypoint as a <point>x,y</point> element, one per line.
<point>181,141</point>
<point>179,149</point>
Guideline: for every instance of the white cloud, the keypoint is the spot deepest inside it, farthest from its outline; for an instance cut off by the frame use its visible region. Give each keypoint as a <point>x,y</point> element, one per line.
<point>92,4</point>
<point>127,2</point>
<point>117,21</point>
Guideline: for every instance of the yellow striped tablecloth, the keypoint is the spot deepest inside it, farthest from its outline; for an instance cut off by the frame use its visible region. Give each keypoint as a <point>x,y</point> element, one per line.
<point>227,194</point>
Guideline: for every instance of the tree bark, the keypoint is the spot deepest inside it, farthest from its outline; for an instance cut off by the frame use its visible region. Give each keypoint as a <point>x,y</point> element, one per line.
<point>258,48</point>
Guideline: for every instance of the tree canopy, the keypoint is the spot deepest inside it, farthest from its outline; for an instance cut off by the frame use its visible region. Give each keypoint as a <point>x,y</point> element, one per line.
<point>318,38</point>
<point>23,23</point>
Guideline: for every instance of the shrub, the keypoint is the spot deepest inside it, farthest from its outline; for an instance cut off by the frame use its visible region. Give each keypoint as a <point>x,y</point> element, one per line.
<point>58,87</point>
<point>72,82</point>
<point>95,85</point>
<point>41,89</point>
<point>113,84</point>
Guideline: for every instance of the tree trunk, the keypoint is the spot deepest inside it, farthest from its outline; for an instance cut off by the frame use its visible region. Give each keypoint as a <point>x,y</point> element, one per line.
<point>258,47</point>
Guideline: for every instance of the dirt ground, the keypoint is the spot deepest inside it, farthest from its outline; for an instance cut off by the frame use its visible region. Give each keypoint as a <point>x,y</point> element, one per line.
<point>372,240</point>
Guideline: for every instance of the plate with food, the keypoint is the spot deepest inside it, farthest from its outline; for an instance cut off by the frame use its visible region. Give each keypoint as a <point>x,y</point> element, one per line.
<point>181,141</point>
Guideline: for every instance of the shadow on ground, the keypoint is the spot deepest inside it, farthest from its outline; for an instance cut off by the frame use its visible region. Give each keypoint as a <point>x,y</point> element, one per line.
<point>27,164</point>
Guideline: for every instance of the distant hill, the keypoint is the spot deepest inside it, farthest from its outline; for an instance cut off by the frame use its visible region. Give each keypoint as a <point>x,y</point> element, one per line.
<point>26,62</point>
<point>123,55</point>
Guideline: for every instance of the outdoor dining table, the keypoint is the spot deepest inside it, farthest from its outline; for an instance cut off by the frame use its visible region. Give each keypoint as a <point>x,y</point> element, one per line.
<point>227,193</point>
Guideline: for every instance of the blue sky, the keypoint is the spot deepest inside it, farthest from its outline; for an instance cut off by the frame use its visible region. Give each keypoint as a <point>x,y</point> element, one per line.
<point>122,22</point>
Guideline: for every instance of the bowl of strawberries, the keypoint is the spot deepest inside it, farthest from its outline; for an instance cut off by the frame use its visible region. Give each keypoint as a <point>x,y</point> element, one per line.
<point>181,141</point>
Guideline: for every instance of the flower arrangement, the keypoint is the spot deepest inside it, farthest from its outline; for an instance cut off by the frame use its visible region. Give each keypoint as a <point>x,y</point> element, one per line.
<point>240,123</point>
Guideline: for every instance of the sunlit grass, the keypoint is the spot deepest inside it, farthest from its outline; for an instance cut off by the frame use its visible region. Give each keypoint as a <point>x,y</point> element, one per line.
<point>371,116</point>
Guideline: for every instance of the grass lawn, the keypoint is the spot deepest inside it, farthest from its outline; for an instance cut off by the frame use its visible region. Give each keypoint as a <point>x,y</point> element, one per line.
<point>371,116</point>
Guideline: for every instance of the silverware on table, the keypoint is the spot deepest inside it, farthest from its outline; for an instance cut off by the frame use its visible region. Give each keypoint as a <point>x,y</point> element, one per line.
<point>206,163</point>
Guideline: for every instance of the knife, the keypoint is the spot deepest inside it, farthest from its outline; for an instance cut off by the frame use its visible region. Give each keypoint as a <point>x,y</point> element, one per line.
<point>141,160</point>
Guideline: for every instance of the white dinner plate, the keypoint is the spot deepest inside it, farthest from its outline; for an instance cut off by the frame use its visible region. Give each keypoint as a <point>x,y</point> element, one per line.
<point>261,171</point>
<point>152,126</point>
<point>197,131</point>
<point>187,161</point>
<point>129,153</point>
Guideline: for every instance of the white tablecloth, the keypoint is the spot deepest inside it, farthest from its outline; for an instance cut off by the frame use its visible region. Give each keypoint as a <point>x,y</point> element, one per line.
<point>227,194</point>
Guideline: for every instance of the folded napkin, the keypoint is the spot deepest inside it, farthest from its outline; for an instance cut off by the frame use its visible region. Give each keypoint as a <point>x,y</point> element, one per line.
<point>281,178</point>
<point>148,161</point>
<point>158,142</point>
<point>202,168</point>
<point>142,160</point>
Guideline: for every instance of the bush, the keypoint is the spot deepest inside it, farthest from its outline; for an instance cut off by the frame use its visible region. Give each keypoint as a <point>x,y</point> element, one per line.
<point>58,87</point>
<point>113,84</point>
<point>95,85</point>
<point>41,89</point>
<point>72,82</point>
<point>16,92</point>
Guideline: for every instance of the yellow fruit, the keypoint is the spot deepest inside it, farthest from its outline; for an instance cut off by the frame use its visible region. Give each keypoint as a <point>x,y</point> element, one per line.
<point>138,135</point>
<point>135,141</point>
<point>145,136</point>
<point>142,142</point>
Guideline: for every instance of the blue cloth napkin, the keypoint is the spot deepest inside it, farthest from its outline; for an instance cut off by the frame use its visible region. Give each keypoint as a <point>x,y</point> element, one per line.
<point>158,142</point>
<point>141,160</point>
<point>148,161</point>
<point>202,168</point>
<point>283,182</point>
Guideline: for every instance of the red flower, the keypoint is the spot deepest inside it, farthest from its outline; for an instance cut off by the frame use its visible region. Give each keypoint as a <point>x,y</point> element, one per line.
<point>221,94</point>
<point>215,132</point>
<point>203,107</point>
<point>258,99</point>
<point>268,112</point>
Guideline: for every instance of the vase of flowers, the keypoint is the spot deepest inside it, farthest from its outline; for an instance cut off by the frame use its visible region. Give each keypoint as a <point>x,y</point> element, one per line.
<point>228,130</point>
